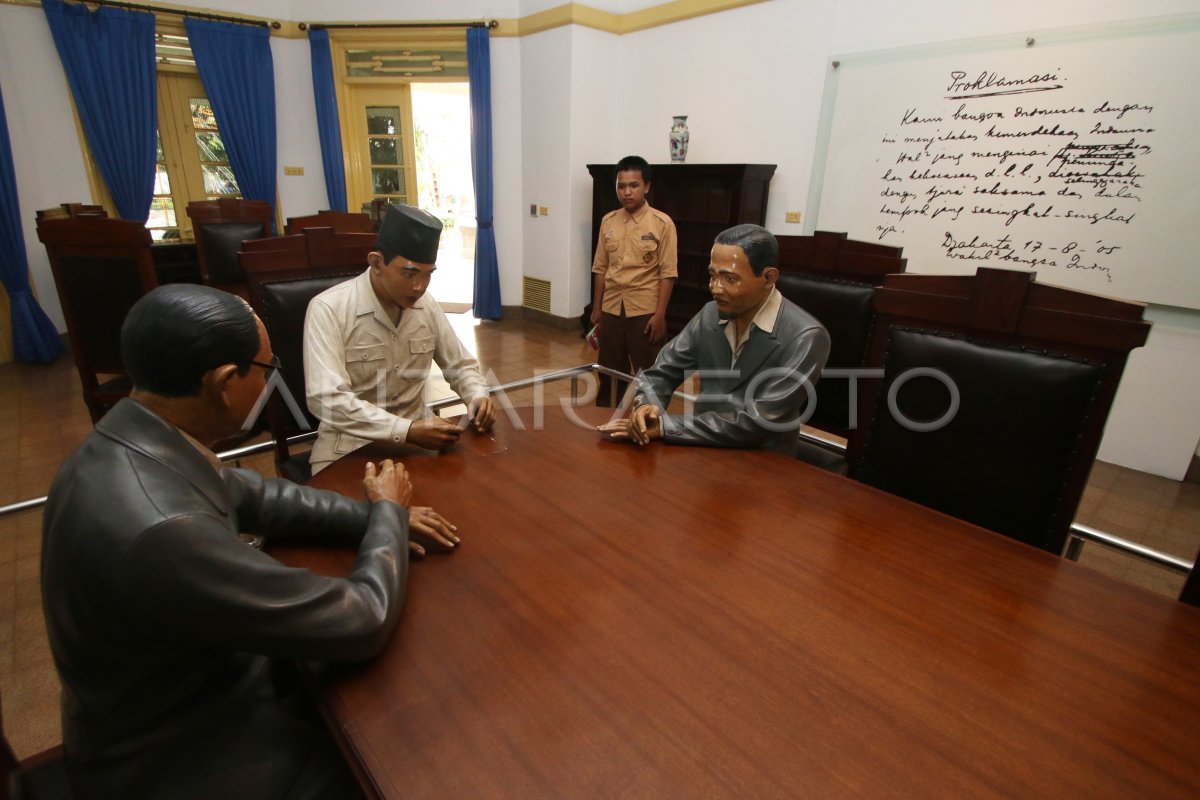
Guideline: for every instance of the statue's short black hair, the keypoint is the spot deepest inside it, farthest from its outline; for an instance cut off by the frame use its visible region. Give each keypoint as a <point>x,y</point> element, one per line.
<point>759,244</point>
<point>633,163</point>
<point>176,333</point>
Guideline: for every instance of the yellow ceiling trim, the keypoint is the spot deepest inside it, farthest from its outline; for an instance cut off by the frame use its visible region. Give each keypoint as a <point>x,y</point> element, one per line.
<point>569,14</point>
<point>566,14</point>
<point>588,17</point>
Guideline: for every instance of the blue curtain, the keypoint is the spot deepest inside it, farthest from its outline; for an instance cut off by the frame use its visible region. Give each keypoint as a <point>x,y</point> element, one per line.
<point>35,339</point>
<point>327,119</point>
<point>234,62</point>
<point>487,270</point>
<point>108,56</point>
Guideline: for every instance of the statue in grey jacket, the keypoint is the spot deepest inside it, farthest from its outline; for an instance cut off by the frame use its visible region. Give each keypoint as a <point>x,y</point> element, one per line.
<point>165,626</point>
<point>758,356</point>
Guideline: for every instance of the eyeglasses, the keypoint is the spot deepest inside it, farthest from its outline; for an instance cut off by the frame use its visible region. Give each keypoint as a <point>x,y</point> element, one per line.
<point>268,367</point>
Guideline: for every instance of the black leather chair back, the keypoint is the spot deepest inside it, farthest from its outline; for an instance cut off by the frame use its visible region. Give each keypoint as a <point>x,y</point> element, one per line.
<point>283,305</point>
<point>844,308</point>
<point>222,241</point>
<point>1019,418</point>
<point>994,395</point>
<point>100,290</point>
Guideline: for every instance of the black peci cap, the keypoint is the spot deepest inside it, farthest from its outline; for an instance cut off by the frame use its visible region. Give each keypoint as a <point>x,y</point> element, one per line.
<point>410,232</point>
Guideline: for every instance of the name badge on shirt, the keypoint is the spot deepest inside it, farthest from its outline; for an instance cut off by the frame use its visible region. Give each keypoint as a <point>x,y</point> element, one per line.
<point>648,256</point>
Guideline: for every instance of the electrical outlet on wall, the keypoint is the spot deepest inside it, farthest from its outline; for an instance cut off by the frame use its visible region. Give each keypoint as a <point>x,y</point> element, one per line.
<point>791,216</point>
<point>544,211</point>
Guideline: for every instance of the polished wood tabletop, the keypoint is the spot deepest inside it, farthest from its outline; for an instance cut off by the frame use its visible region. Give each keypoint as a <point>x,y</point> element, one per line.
<point>675,622</point>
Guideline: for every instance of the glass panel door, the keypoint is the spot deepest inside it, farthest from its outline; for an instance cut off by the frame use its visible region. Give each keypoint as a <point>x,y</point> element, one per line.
<point>386,151</point>
<point>381,151</point>
<point>214,160</point>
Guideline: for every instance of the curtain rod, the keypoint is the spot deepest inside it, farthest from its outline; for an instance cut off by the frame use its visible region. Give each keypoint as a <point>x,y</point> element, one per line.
<point>318,26</point>
<point>185,13</point>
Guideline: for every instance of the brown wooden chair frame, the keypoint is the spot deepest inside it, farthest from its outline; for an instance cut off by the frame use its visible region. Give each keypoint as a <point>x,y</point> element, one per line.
<point>833,278</point>
<point>70,210</point>
<point>71,243</point>
<point>340,221</point>
<point>210,214</point>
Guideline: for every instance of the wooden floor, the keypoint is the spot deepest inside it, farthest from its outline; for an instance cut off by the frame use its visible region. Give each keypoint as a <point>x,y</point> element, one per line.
<point>42,419</point>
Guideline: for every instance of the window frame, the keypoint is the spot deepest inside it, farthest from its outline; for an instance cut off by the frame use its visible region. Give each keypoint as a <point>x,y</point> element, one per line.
<point>355,93</point>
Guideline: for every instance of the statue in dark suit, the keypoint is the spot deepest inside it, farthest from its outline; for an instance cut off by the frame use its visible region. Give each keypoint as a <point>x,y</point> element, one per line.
<point>166,626</point>
<point>758,356</point>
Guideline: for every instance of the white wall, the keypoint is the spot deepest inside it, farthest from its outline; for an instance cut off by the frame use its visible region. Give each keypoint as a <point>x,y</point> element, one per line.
<point>380,10</point>
<point>546,161</point>
<point>749,80</point>
<point>46,154</point>
<point>509,204</point>
<point>297,143</point>
<point>597,111</point>
<point>877,24</point>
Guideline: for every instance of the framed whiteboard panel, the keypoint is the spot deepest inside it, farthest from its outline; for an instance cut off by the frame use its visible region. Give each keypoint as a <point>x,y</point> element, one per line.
<point>1071,153</point>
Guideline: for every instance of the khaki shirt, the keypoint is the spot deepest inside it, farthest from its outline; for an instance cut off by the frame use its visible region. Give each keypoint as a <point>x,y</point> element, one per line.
<point>365,378</point>
<point>634,253</point>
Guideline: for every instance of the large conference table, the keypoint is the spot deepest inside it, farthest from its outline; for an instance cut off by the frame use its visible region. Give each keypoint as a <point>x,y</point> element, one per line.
<point>675,622</point>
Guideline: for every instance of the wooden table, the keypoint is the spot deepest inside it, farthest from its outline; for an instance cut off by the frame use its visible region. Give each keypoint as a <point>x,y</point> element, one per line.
<point>672,622</point>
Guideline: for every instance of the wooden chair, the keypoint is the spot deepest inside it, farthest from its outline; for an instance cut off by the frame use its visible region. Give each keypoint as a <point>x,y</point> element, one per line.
<point>101,267</point>
<point>340,221</point>
<point>220,227</point>
<point>994,396</point>
<point>69,210</point>
<point>283,274</point>
<point>834,278</point>
<point>317,247</point>
<point>375,210</point>
<point>39,777</point>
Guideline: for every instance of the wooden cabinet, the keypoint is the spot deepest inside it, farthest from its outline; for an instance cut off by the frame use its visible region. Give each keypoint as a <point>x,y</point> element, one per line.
<point>703,200</point>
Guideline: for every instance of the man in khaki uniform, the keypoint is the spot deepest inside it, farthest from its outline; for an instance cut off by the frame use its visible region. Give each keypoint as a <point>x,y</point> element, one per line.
<point>635,269</point>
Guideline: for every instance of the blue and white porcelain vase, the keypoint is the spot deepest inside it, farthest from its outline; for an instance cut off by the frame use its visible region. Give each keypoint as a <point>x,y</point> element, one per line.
<point>679,140</point>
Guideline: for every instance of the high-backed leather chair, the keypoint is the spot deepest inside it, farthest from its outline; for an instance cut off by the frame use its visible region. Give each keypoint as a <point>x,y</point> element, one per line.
<point>834,278</point>
<point>101,267</point>
<point>220,227</point>
<point>994,396</point>
<point>340,221</point>
<point>68,210</point>
<point>283,274</point>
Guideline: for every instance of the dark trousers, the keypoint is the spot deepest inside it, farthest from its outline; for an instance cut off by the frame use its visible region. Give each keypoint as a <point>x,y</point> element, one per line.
<point>623,346</point>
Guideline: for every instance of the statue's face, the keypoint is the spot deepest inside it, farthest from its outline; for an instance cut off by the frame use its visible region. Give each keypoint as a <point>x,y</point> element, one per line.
<point>733,284</point>
<point>631,189</point>
<point>399,281</point>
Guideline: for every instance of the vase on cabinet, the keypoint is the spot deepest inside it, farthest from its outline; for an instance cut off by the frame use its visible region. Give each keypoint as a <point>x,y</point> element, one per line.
<point>679,140</point>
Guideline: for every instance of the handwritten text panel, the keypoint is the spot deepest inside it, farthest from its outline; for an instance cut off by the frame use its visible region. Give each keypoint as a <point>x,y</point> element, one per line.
<point>1076,160</point>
